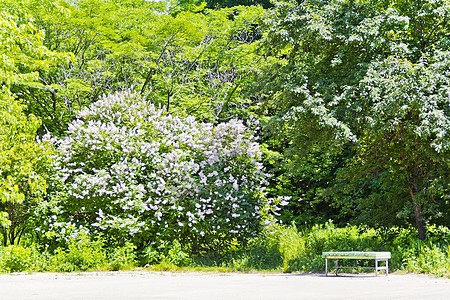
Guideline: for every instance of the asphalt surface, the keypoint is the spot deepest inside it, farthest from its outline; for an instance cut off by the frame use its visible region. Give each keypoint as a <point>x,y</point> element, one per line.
<point>167,285</point>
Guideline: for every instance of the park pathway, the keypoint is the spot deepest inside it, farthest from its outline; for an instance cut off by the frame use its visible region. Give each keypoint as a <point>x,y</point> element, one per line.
<point>167,285</point>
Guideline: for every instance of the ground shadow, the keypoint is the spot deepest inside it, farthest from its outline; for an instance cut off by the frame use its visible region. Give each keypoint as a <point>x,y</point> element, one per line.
<point>330,275</point>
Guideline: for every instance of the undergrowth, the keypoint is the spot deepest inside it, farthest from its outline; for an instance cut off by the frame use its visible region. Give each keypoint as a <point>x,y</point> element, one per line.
<point>278,248</point>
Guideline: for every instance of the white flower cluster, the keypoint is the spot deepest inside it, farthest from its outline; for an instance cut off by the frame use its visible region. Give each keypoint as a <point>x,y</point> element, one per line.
<point>134,170</point>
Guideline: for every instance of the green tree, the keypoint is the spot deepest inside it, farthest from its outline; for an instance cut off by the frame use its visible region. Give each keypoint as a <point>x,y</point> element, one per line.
<point>30,60</point>
<point>22,159</point>
<point>23,164</point>
<point>366,76</point>
<point>193,63</point>
<point>401,156</point>
<point>101,40</point>
<point>199,64</point>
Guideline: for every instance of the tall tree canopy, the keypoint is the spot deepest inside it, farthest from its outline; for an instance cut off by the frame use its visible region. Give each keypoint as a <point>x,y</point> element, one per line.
<point>193,63</point>
<point>22,160</point>
<point>372,77</point>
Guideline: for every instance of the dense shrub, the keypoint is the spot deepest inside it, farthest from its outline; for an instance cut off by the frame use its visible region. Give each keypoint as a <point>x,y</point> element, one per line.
<point>428,258</point>
<point>17,258</point>
<point>81,254</point>
<point>122,257</point>
<point>132,172</point>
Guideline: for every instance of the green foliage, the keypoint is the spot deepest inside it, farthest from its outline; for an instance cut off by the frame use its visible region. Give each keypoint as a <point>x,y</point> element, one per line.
<point>23,167</point>
<point>122,257</point>
<point>23,161</point>
<point>81,254</point>
<point>200,63</point>
<point>414,128</point>
<point>359,78</point>
<point>22,52</point>
<point>303,250</point>
<point>96,38</point>
<point>354,96</point>
<point>17,258</point>
<point>167,254</point>
<point>284,248</point>
<point>428,259</point>
<point>4,222</point>
<point>25,58</point>
<point>330,238</point>
<point>193,63</point>
<point>150,256</point>
<point>176,255</point>
<point>279,248</point>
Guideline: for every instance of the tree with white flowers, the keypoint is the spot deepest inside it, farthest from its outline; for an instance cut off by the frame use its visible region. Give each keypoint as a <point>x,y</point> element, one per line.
<point>133,172</point>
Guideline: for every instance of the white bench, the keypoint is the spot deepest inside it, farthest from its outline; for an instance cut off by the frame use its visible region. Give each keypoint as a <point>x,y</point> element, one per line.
<point>377,256</point>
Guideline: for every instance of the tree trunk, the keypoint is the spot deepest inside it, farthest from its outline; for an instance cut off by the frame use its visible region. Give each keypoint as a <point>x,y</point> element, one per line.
<point>420,224</point>
<point>13,217</point>
<point>5,236</point>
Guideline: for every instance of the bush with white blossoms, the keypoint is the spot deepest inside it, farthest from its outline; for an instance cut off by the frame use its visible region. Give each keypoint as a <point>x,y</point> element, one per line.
<point>133,172</point>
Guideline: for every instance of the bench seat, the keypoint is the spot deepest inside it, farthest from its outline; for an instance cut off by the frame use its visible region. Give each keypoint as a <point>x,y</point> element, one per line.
<point>357,255</point>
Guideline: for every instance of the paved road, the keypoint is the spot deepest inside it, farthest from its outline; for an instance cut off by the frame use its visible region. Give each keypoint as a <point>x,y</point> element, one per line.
<point>166,285</point>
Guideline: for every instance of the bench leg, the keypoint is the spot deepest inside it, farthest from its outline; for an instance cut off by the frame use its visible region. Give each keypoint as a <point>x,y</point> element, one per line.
<point>336,265</point>
<point>326,266</point>
<point>387,267</point>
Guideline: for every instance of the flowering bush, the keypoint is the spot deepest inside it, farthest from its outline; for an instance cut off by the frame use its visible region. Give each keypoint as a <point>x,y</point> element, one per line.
<point>133,172</point>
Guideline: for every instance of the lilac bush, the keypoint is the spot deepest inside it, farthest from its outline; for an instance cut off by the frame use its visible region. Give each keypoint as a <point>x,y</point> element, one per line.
<point>133,172</point>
